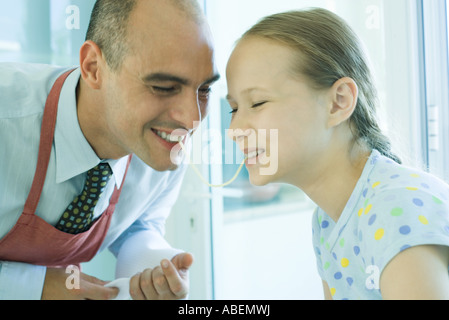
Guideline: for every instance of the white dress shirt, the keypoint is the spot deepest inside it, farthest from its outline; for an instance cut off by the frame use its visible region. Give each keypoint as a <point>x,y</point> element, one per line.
<point>146,198</point>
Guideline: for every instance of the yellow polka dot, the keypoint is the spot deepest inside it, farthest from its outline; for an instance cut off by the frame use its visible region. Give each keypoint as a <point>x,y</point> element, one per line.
<point>423,220</point>
<point>414,175</point>
<point>93,190</point>
<point>76,211</point>
<point>368,208</point>
<point>78,220</point>
<point>95,179</point>
<point>412,188</point>
<point>333,290</point>
<point>86,207</point>
<point>360,212</point>
<point>379,234</point>
<point>376,184</point>
<point>344,263</point>
<point>105,173</point>
<point>68,225</point>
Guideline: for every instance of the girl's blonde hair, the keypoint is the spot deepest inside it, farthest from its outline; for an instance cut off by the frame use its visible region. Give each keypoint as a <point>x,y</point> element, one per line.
<point>328,50</point>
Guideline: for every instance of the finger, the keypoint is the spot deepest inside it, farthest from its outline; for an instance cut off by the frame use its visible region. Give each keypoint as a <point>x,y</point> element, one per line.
<point>178,285</point>
<point>183,261</point>
<point>92,279</point>
<point>160,283</point>
<point>135,290</point>
<point>93,291</point>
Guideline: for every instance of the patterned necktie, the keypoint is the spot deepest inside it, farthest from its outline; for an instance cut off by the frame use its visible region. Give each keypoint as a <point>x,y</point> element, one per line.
<point>78,217</point>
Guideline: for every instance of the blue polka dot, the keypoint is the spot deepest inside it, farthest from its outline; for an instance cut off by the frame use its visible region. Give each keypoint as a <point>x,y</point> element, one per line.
<point>405,230</point>
<point>372,220</point>
<point>365,192</point>
<point>405,247</point>
<point>324,224</point>
<point>350,281</point>
<point>425,185</point>
<point>395,176</point>
<point>356,250</point>
<point>418,202</point>
<point>334,255</point>
<point>338,276</point>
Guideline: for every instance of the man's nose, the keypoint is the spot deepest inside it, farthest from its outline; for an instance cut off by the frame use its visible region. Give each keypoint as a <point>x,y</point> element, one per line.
<point>187,112</point>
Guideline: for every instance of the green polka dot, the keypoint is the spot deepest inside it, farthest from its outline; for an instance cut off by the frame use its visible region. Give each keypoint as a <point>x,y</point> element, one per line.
<point>397,212</point>
<point>342,242</point>
<point>93,190</point>
<point>437,201</point>
<point>366,202</point>
<point>327,265</point>
<point>66,215</point>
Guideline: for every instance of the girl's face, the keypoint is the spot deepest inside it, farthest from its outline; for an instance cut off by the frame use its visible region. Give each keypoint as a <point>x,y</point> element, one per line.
<point>278,120</point>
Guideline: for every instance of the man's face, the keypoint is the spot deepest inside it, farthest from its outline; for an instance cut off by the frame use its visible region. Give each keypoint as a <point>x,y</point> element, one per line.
<point>163,84</point>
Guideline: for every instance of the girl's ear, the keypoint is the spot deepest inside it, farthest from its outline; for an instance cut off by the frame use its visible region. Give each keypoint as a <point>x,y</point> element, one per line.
<point>344,94</point>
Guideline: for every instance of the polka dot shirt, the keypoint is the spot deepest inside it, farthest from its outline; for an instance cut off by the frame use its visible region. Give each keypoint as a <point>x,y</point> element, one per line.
<point>392,208</point>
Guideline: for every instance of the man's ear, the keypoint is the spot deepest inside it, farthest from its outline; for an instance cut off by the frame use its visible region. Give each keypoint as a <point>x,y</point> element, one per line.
<point>91,61</point>
<point>344,94</point>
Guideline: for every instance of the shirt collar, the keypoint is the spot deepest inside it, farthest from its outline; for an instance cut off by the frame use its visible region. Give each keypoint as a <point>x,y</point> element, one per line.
<point>74,155</point>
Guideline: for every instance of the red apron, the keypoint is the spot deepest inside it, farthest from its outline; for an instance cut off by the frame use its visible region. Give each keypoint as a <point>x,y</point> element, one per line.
<point>34,241</point>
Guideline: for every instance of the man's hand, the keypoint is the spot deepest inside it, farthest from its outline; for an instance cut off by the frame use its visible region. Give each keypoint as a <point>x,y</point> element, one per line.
<point>90,288</point>
<point>169,281</point>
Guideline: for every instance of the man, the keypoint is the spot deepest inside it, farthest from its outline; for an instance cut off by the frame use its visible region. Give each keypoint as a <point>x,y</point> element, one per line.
<point>145,71</point>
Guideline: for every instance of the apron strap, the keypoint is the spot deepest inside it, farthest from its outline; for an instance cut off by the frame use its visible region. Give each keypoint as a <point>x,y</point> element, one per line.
<point>45,145</point>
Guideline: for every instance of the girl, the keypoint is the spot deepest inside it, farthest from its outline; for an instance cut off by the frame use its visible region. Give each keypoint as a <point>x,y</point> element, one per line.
<point>381,230</point>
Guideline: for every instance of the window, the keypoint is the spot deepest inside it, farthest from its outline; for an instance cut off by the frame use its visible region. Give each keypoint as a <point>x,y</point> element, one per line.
<point>43,31</point>
<point>435,46</point>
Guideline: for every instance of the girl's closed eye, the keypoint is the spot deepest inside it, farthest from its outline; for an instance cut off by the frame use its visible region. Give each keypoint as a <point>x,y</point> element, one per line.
<point>259,104</point>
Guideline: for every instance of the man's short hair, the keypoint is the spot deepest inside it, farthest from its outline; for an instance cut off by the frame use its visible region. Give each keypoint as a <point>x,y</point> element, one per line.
<point>108,29</point>
<point>108,26</point>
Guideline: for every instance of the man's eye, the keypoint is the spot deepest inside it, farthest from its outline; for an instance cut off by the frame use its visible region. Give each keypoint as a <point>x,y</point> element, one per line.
<point>163,89</point>
<point>205,92</point>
